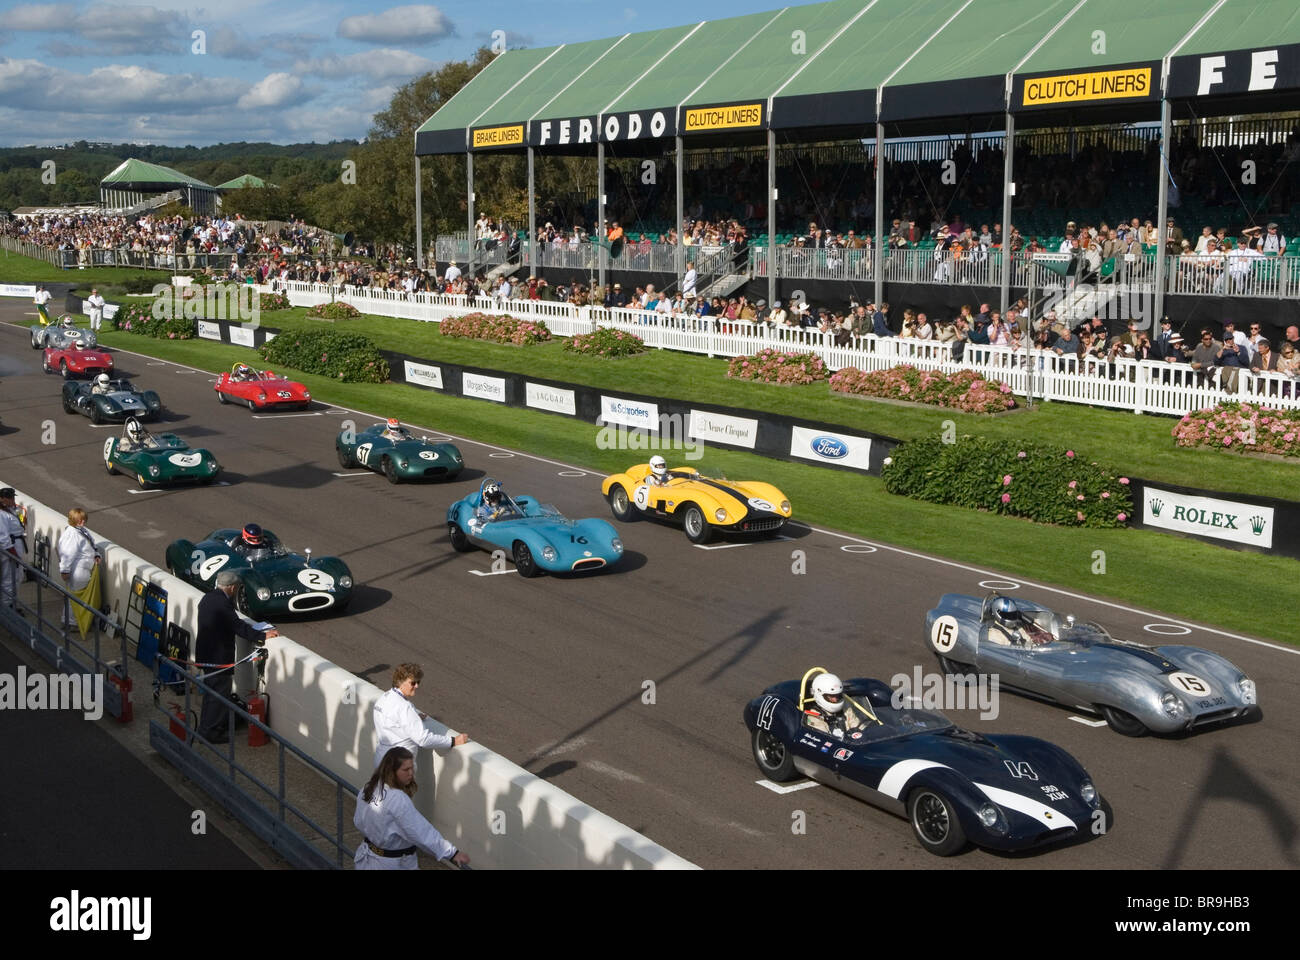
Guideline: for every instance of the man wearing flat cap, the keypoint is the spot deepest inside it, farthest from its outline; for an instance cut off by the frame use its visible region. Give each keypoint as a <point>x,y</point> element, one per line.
<point>219,624</point>
<point>1274,244</point>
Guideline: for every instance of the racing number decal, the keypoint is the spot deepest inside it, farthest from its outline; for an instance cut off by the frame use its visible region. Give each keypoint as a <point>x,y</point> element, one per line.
<point>1190,683</point>
<point>428,454</point>
<point>185,459</point>
<point>943,634</point>
<point>573,539</point>
<point>760,504</point>
<point>204,567</point>
<point>765,711</point>
<point>363,453</point>
<point>641,497</point>
<point>315,579</point>
<point>108,449</point>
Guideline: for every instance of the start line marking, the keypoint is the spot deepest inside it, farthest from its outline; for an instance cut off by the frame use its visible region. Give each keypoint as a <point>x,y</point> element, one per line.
<point>492,573</point>
<point>363,474</point>
<point>155,490</point>
<point>725,546</point>
<point>1089,723</point>
<point>778,788</point>
<point>282,416</point>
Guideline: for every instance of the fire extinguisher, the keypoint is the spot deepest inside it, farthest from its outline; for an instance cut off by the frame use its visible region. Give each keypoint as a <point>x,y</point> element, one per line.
<point>176,722</point>
<point>257,706</point>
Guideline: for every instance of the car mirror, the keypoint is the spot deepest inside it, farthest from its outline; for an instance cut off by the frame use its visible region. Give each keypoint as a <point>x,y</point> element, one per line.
<point>307,554</point>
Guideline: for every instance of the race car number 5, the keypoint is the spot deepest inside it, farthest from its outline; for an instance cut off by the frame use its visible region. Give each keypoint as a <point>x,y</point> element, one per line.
<point>642,496</point>
<point>205,567</point>
<point>943,634</point>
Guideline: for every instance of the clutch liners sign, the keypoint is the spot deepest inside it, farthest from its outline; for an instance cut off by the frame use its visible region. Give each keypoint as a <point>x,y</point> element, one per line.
<point>1084,87</point>
<point>724,118</point>
<point>1207,517</point>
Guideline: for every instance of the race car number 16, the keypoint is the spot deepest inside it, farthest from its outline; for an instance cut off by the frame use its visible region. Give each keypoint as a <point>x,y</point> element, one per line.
<point>943,634</point>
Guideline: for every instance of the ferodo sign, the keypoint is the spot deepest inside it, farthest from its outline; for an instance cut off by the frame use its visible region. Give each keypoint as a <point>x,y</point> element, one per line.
<point>608,128</point>
<point>729,117</point>
<point>1236,71</point>
<point>508,136</point>
<point>1208,517</point>
<point>1122,84</point>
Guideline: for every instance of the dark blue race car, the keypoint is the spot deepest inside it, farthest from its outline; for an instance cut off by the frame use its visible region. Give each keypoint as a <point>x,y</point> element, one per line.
<point>956,787</point>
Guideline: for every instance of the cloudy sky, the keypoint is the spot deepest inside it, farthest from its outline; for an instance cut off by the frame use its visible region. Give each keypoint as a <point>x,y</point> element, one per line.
<point>284,72</point>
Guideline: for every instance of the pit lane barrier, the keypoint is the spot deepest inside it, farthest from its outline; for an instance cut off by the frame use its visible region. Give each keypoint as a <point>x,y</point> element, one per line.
<point>497,812</point>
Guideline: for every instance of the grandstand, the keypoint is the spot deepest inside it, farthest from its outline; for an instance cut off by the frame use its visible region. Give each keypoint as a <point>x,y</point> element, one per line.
<point>135,186</point>
<point>989,114</point>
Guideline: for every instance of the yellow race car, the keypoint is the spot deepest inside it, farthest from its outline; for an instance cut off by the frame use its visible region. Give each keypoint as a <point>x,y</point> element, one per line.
<point>702,505</point>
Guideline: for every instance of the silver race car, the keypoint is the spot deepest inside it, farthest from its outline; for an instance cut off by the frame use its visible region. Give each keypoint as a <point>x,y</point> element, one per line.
<point>1138,689</point>
<point>60,333</point>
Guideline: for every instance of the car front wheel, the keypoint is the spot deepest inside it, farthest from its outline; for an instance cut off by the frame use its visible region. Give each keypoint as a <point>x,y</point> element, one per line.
<point>524,561</point>
<point>63,370</point>
<point>696,527</point>
<point>934,821</point>
<point>459,542</point>
<point>773,757</point>
<point>221,397</point>
<point>1125,724</point>
<point>620,505</point>
<point>345,458</point>
<point>390,469</point>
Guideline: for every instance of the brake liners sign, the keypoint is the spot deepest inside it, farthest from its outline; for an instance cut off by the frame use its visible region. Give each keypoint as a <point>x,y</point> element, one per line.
<point>724,118</point>
<point>510,136</point>
<point>1083,87</point>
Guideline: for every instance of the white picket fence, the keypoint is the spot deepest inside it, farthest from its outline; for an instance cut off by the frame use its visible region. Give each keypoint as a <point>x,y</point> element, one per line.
<point>1141,386</point>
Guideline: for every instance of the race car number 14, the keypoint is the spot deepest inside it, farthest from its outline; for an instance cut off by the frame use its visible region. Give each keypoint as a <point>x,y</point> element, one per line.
<point>943,634</point>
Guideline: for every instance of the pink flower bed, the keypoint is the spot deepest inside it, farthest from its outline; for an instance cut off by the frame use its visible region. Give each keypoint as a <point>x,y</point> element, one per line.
<point>772,366</point>
<point>965,390</point>
<point>502,329</point>
<point>1241,428</point>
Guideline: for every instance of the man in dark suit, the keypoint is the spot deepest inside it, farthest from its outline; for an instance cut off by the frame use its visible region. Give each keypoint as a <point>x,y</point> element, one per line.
<point>219,624</point>
<point>1173,237</point>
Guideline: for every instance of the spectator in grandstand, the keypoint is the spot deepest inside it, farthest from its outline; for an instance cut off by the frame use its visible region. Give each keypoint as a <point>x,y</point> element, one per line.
<point>1207,235</point>
<point>1066,344</point>
<point>1288,362</point>
<point>1241,260</point>
<point>761,312</point>
<point>923,329</point>
<point>1293,337</point>
<point>1274,243</point>
<point>1231,358</point>
<point>880,322</point>
<point>1264,358</point>
<point>391,828</point>
<point>1253,340</point>
<point>908,330</point>
<point>616,297</point>
<point>1230,332</point>
<point>688,282</point>
<point>1173,237</point>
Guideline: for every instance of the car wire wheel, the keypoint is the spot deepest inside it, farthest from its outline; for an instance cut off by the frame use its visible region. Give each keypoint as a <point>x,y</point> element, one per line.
<point>934,821</point>
<point>620,506</point>
<point>696,527</point>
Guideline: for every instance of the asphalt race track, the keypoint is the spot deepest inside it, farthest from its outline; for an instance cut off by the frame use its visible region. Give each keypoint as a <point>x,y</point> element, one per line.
<point>550,672</point>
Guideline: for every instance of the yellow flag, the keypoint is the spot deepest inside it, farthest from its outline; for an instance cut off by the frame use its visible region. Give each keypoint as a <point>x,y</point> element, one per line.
<point>89,595</point>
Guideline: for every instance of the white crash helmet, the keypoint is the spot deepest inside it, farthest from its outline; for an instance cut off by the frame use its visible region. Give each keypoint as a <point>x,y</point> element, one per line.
<point>828,692</point>
<point>658,466</point>
<point>134,431</point>
<point>67,321</point>
<point>101,380</point>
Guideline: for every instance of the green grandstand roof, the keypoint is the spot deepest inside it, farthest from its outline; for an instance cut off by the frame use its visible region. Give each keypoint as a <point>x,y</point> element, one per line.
<point>239,183</point>
<point>825,65</point>
<point>140,171</point>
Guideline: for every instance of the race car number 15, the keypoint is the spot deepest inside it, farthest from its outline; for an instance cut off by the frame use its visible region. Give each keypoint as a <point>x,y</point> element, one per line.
<point>943,634</point>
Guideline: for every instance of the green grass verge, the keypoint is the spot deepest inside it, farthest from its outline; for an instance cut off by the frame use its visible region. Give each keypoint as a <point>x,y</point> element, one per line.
<point>1136,445</point>
<point>15,268</point>
<point>1138,563</point>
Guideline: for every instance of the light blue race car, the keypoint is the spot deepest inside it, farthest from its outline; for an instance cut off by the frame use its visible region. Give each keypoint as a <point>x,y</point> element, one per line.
<point>536,535</point>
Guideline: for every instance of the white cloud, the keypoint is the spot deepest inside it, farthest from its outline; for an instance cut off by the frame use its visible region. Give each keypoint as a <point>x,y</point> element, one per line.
<point>273,90</point>
<point>412,24</point>
<point>384,64</point>
<point>101,29</point>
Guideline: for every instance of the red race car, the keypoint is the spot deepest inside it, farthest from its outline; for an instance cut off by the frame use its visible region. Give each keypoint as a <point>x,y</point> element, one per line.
<point>266,390</point>
<point>73,360</point>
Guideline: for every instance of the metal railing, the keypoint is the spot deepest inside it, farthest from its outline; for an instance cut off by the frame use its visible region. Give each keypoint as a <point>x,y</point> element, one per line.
<point>269,810</point>
<point>69,651</point>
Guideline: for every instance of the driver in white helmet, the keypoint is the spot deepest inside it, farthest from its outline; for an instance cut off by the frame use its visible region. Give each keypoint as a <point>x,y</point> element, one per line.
<point>101,385</point>
<point>135,437</point>
<point>658,475</point>
<point>830,715</point>
<point>393,430</point>
<point>494,505</point>
<point>1021,630</point>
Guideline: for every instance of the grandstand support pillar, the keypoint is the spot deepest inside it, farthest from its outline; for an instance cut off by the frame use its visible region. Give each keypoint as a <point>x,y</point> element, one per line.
<point>1008,168</point>
<point>679,255</point>
<point>1162,213</point>
<point>419,219</point>
<point>469,195</point>
<point>878,251</point>
<point>533,265</point>
<point>602,248</point>
<point>771,218</point>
